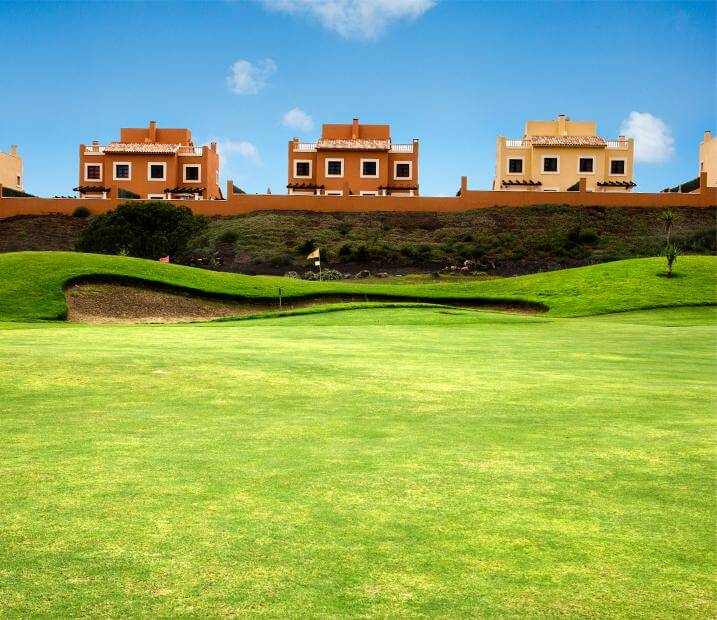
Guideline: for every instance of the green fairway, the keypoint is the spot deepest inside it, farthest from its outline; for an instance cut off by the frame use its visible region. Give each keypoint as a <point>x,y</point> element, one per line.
<point>383,463</point>
<point>31,285</point>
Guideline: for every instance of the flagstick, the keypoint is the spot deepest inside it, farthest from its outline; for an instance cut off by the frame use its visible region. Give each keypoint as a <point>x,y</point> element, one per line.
<point>279,298</point>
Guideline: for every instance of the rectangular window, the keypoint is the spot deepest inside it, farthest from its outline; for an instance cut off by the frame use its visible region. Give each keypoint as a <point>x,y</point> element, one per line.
<point>93,172</point>
<point>19,180</point>
<point>122,171</point>
<point>303,169</point>
<point>586,164</point>
<point>333,193</point>
<point>156,171</point>
<point>515,166</point>
<point>334,167</point>
<point>550,164</point>
<point>192,173</point>
<point>369,168</point>
<point>365,193</point>
<point>617,166</point>
<point>402,170</point>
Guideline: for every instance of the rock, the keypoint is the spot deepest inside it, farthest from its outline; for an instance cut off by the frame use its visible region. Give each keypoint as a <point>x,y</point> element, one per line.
<point>347,276</point>
<point>364,273</point>
<point>382,274</point>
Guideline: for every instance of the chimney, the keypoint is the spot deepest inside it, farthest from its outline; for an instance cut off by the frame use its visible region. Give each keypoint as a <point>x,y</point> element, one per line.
<point>152,131</point>
<point>13,150</point>
<point>708,136</point>
<point>213,146</point>
<point>562,129</point>
<point>355,130</point>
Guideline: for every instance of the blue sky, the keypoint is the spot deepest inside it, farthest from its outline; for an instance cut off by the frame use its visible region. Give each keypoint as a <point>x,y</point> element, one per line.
<point>453,74</point>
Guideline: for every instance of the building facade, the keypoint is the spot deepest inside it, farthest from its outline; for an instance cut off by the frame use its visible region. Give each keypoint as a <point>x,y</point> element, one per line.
<point>353,159</point>
<point>11,169</point>
<point>555,155</point>
<point>150,163</point>
<point>708,159</point>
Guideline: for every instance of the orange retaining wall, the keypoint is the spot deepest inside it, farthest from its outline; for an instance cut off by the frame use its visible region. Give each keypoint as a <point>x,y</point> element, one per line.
<point>237,204</point>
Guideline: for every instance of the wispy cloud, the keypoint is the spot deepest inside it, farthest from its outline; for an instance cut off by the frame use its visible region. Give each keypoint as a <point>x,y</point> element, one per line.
<point>654,143</point>
<point>229,149</point>
<point>246,78</point>
<point>297,119</point>
<point>353,19</point>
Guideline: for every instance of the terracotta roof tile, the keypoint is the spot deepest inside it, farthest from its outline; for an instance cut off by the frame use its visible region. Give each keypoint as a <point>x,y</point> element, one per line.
<point>141,147</point>
<point>354,145</point>
<point>595,141</point>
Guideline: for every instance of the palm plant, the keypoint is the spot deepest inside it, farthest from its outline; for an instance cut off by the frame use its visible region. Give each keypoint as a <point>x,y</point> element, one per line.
<point>671,254</point>
<point>668,218</point>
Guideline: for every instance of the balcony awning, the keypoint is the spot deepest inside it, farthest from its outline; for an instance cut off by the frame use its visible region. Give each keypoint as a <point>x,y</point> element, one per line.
<point>616,184</point>
<point>304,186</point>
<point>184,190</point>
<point>91,189</point>
<point>520,182</point>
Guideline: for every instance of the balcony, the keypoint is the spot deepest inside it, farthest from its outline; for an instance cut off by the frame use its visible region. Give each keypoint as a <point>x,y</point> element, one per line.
<point>620,145</point>
<point>310,147</point>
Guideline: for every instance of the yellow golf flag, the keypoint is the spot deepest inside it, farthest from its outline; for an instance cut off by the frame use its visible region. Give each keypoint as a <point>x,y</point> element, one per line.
<point>314,254</point>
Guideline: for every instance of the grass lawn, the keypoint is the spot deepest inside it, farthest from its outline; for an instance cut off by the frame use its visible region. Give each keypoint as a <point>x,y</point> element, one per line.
<point>31,284</point>
<point>383,462</point>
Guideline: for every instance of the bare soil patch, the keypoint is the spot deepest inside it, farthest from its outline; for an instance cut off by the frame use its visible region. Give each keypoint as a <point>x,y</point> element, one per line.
<point>46,232</point>
<point>121,302</point>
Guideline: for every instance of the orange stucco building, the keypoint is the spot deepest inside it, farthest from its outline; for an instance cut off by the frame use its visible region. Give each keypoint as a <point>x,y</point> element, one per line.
<point>353,159</point>
<point>150,163</point>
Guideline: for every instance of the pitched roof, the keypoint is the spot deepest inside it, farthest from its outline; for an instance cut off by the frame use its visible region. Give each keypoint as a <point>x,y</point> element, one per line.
<point>354,145</point>
<point>595,141</point>
<point>141,147</point>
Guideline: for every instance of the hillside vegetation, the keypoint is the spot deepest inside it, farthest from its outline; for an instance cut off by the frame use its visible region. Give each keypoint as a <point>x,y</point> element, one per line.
<point>31,284</point>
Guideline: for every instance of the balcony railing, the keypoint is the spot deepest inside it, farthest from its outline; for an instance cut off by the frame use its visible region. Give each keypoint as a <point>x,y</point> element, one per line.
<point>309,147</point>
<point>517,144</point>
<point>616,144</point>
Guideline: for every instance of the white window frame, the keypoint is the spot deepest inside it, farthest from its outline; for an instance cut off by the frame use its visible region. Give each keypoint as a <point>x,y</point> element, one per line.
<point>184,173</point>
<point>585,157</point>
<point>311,168</point>
<point>156,196</point>
<point>370,176</point>
<point>622,159</point>
<point>157,163</point>
<point>333,192</point>
<point>90,163</point>
<point>410,171</point>
<point>522,166</point>
<point>293,192</point>
<point>368,193</point>
<point>114,170</point>
<point>326,168</point>
<point>542,164</point>
<point>551,189</point>
<point>403,194</point>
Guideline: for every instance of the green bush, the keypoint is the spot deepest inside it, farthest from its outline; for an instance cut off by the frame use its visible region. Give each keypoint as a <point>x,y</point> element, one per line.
<point>281,259</point>
<point>81,212</point>
<point>228,236</point>
<point>291,274</point>
<point>331,274</point>
<point>143,229</point>
<point>306,247</point>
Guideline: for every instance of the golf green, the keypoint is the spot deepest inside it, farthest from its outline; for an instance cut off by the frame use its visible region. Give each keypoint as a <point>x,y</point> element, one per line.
<point>381,462</point>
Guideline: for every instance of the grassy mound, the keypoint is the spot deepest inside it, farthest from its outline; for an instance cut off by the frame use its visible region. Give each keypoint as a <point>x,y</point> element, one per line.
<point>31,285</point>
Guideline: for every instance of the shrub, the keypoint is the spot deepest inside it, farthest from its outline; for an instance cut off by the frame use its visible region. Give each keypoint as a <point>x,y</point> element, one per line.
<point>344,229</point>
<point>291,274</point>
<point>81,212</point>
<point>306,247</point>
<point>331,274</point>
<point>280,260</point>
<point>228,236</point>
<point>345,252</point>
<point>309,275</point>
<point>144,229</point>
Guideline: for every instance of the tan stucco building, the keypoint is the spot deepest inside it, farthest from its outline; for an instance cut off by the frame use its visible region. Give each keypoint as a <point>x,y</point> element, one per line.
<point>353,159</point>
<point>708,159</point>
<point>555,155</point>
<point>11,169</point>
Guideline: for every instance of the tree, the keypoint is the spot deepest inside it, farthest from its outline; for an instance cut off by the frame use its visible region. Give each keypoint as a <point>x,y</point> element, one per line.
<point>668,218</point>
<point>671,254</point>
<point>142,229</point>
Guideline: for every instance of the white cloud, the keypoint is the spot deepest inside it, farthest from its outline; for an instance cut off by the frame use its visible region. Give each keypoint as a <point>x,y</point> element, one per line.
<point>229,148</point>
<point>353,19</point>
<point>654,143</point>
<point>298,119</point>
<point>246,78</point>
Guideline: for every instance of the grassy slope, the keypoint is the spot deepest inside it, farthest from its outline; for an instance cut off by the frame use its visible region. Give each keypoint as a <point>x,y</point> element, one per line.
<point>391,463</point>
<point>31,284</point>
